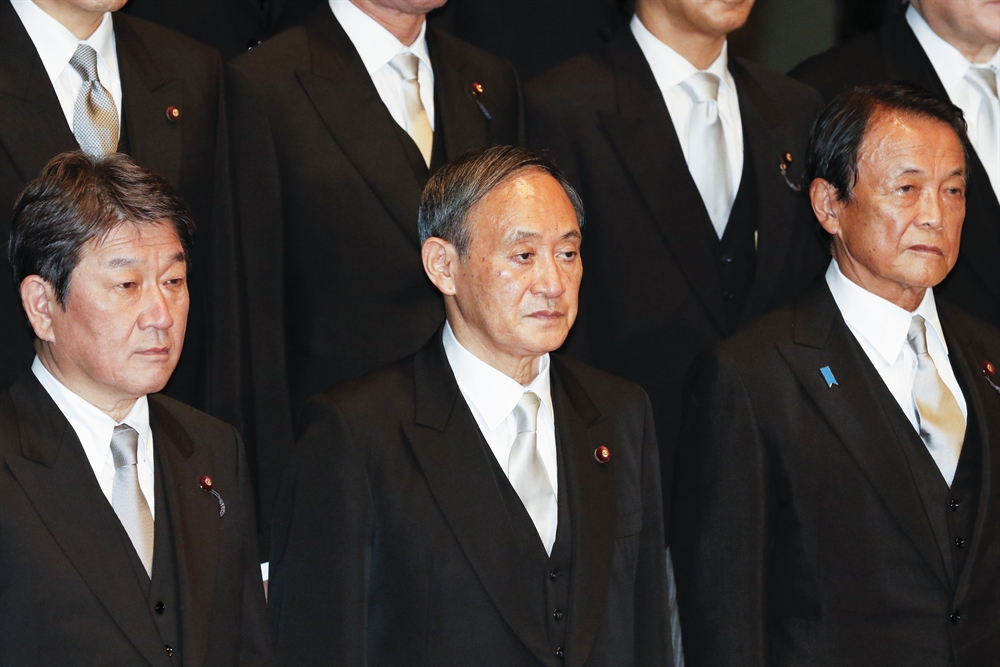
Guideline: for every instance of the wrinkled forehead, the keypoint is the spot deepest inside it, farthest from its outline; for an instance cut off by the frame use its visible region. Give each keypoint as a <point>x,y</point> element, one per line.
<point>129,240</point>
<point>529,203</point>
<point>902,140</point>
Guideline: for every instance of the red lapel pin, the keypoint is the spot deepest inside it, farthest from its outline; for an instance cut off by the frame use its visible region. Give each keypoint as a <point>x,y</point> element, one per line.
<point>207,484</point>
<point>173,114</point>
<point>602,454</point>
<point>477,89</point>
<point>989,370</point>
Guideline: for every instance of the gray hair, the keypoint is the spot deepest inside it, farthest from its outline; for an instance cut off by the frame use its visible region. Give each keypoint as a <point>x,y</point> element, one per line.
<point>452,192</point>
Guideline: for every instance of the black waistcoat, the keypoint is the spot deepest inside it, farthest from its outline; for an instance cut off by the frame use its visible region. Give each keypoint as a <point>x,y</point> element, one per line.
<point>162,590</point>
<point>950,511</point>
<point>550,595</point>
<point>737,249</point>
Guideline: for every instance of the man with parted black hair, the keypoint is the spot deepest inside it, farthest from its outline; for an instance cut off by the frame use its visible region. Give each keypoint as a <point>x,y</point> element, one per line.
<point>836,494</point>
<point>481,502</point>
<point>129,532</point>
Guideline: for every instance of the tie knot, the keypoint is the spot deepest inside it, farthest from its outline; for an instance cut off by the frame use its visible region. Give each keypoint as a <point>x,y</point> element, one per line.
<point>526,412</point>
<point>917,335</point>
<point>406,65</point>
<point>124,445</point>
<point>84,61</point>
<point>983,77</point>
<point>702,87</point>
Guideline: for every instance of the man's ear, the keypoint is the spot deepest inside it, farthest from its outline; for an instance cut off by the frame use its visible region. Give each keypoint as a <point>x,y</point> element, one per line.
<point>441,262</point>
<point>39,300</point>
<point>826,205</point>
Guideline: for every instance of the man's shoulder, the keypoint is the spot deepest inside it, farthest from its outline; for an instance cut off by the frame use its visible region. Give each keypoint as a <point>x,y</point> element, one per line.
<point>456,52</point>
<point>859,61</point>
<point>167,46</point>
<point>193,421</point>
<point>278,55</point>
<point>375,398</point>
<point>969,329</point>
<point>609,393</point>
<point>579,84</point>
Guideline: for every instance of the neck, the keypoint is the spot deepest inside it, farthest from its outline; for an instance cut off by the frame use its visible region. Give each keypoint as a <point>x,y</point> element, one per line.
<point>80,22</point>
<point>115,407</point>
<point>522,369</point>
<point>975,48</point>
<point>906,297</point>
<point>697,48</point>
<point>404,26</point>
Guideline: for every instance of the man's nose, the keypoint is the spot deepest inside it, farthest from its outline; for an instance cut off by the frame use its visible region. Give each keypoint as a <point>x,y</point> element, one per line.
<point>156,311</point>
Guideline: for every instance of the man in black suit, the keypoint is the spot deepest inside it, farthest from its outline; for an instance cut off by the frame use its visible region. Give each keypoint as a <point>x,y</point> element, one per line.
<point>939,44</point>
<point>128,522</point>
<point>333,145</point>
<point>837,499</point>
<point>168,103</point>
<point>685,245</point>
<point>480,502</point>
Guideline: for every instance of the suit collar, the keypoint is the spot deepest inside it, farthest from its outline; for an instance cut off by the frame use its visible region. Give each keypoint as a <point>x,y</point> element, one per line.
<point>967,356</point>
<point>854,409</point>
<point>447,445</point>
<point>58,480</point>
<point>643,135</point>
<point>34,127</point>
<point>155,140</point>
<point>464,121</point>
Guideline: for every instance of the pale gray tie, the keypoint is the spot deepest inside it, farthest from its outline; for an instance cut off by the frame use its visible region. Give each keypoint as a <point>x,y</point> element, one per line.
<point>418,126</point>
<point>707,156</point>
<point>526,471</point>
<point>95,118</point>
<point>126,497</point>
<point>987,139</point>
<point>942,425</point>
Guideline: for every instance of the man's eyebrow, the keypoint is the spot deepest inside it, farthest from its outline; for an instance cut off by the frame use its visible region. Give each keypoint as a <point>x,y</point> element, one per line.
<point>179,257</point>
<point>121,262</point>
<point>573,234</point>
<point>522,234</point>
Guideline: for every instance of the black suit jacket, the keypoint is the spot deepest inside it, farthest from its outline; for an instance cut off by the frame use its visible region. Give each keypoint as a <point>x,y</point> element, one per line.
<point>328,188</point>
<point>894,54</point>
<point>159,69</point>
<point>651,295</point>
<point>799,535</point>
<point>392,545</point>
<point>66,595</point>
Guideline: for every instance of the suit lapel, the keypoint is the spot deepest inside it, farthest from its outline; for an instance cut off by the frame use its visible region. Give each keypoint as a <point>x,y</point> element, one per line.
<point>460,120</point>
<point>592,508</point>
<point>155,141</point>
<point>195,519</point>
<point>644,137</point>
<point>763,133</point>
<point>967,358</point>
<point>345,98</point>
<point>57,478</point>
<point>852,409</point>
<point>447,444</point>
<point>33,127</point>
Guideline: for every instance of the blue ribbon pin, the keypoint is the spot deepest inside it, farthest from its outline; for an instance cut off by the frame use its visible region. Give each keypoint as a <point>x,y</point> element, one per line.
<point>828,376</point>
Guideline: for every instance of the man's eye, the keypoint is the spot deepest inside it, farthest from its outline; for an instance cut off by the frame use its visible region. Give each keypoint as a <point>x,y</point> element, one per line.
<point>523,256</point>
<point>905,188</point>
<point>126,286</point>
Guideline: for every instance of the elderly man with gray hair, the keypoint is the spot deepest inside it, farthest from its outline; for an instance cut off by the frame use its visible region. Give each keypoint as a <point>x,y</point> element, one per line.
<point>481,502</point>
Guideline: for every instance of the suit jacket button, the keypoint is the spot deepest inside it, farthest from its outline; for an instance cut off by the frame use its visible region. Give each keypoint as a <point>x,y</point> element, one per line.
<point>560,653</point>
<point>170,650</point>
<point>159,607</point>
<point>954,505</point>
<point>955,617</point>
<point>959,543</point>
<point>553,575</point>
<point>557,614</point>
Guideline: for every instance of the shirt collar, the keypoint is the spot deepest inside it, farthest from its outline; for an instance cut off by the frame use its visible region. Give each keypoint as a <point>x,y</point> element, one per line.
<point>948,62</point>
<point>56,45</point>
<point>493,393</point>
<point>882,323</point>
<point>93,426</point>
<point>671,68</point>
<point>376,45</point>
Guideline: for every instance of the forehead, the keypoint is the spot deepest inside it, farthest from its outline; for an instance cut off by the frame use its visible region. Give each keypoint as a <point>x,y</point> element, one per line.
<point>899,140</point>
<point>131,239</point>
<point>531,200</point>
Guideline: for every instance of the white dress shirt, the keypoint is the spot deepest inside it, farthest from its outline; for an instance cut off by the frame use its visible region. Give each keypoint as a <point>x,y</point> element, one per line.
<point>670,69</point>
<point>881,327</point>
<point>56,45</point>
<point>377,46</point>
<point>951,67</point>
<point>94,429</point>
<point>492,397</point>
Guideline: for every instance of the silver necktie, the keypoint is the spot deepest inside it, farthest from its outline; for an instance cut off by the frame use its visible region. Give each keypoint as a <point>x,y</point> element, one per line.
<point>126,496</point>
<point>942,425</point>
<point>526,471</point>
<point>987,135</point>
<point>418,126</point>
<point>707,156</point>
<point>95,118</point>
